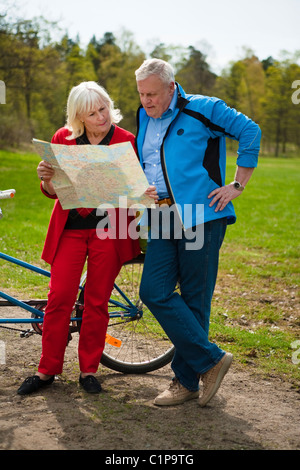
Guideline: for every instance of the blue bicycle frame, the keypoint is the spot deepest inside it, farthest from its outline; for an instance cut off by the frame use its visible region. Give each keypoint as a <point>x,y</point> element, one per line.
<point>128,308</point>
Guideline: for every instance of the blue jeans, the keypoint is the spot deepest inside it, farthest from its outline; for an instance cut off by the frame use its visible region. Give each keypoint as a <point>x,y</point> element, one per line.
<point>185,318</point>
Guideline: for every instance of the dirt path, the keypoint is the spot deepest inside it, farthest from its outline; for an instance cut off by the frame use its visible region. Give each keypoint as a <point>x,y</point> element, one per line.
<point>247,413</point>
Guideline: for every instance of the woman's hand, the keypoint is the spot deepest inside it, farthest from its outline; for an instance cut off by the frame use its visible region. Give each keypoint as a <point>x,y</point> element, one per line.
<point>152,193</point>
<point>45,171</point>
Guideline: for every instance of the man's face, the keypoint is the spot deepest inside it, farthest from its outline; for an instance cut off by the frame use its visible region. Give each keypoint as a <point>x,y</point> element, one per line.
<point>155,95</point>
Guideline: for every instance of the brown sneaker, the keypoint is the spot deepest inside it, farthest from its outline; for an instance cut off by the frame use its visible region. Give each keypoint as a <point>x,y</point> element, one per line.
<point>213,377</point>
<point>175,395</point>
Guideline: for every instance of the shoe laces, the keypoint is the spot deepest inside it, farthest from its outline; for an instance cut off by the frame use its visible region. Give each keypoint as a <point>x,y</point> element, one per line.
<point>207,378</point>
<point>31,380</point>
<point>90,379</point>
<point>175,385</point>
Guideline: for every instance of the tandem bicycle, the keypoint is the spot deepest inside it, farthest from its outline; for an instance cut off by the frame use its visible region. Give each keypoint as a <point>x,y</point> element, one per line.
<point>135,341</point>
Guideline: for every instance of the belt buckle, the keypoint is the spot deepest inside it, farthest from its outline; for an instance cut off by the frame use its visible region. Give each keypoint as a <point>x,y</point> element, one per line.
<point>165,202</point>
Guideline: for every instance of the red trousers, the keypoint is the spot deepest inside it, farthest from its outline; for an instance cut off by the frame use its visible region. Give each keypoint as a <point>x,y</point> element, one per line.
<point>103,265</point>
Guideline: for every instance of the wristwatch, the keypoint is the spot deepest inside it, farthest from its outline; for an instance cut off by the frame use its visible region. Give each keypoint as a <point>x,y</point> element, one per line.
<point>238,186</point>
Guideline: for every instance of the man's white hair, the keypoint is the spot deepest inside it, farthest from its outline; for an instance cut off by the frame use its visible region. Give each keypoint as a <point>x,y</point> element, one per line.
<point>156,67</point>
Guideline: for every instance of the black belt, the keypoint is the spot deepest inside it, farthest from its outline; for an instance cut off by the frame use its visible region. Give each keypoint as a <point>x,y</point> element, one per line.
<point>76,222</point>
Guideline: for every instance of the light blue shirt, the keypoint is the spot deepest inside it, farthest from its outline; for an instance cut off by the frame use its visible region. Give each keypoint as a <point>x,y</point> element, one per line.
<point>151,149</point>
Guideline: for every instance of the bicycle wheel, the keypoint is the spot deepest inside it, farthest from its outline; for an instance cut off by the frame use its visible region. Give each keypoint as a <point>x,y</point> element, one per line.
<point>38,325</point>
<point>135,343</point>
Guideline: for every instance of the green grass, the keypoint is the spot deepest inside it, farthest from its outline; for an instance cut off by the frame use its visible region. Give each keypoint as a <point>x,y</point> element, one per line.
<point>256,304</point>
<point>24,224</point>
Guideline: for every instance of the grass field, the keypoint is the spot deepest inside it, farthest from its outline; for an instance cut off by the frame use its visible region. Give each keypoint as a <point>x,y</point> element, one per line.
<point>256,304</point>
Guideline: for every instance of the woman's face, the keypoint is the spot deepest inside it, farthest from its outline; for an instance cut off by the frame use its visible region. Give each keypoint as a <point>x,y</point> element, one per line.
<point>97,121</point>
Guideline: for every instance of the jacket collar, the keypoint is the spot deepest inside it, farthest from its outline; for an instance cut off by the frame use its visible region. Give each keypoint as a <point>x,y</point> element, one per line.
<point>182,101</point>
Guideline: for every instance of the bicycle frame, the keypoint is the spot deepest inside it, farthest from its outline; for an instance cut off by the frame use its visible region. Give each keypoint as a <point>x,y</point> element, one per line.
<point>133,347</point>
<point>129,310</point>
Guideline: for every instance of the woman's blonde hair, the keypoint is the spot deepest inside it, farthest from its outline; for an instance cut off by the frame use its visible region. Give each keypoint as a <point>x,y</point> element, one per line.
<point>82,99</point>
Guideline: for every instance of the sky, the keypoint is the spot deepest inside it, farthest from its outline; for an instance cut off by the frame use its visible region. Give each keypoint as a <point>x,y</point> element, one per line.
<point>219,28</point>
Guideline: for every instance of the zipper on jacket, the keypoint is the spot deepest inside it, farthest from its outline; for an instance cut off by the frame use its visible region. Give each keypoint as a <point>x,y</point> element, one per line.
<point>182,104</point>
<point>162,157</point>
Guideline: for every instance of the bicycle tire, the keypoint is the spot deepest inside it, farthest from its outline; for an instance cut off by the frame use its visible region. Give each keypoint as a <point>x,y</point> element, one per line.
<point>38,326</point>
<point>145,347</point>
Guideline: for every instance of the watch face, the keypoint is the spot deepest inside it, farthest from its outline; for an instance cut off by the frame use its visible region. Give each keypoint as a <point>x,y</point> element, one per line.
<point>238,186</point>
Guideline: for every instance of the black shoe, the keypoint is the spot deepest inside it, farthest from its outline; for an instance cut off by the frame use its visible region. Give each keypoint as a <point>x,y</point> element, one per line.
<point>32,384</point>
<point>90,384</point>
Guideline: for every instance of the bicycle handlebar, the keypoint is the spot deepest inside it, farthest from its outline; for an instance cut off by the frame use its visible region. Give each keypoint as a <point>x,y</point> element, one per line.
<point>8,193</point>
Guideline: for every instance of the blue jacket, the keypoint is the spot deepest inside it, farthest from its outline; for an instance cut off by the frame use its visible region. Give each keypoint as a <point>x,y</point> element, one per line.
<point>193,153</point>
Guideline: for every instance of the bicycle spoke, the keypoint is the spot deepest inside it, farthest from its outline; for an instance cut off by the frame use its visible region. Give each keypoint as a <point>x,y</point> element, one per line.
<point>143,345</point>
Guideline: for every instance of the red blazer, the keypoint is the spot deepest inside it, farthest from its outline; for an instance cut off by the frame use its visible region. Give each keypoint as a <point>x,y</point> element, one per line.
<point>127,248</point>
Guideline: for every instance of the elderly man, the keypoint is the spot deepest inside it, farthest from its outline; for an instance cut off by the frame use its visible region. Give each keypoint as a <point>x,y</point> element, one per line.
<point>181,146</point>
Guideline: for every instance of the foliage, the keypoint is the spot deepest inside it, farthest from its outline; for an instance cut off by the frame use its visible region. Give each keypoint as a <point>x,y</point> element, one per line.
<point>194,71</point>
<point>281,118</point>
<point>39,74</point>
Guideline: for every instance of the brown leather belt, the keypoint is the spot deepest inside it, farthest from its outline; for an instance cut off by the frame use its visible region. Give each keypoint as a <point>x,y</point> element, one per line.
<point>167,201</point>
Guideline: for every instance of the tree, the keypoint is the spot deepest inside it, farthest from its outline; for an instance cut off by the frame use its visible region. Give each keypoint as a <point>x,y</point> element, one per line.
<point>281,117</point>
<point>161,51</point>
<point>242,86</point>
<point>78,66</point>
<point>21,60</point>
<point>96,49</point>
<point>39,73</point>
<point>116,73</point>
<point>194,73</point>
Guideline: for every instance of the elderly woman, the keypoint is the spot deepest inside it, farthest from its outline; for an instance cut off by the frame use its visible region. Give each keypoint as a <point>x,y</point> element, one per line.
<point>71,240</point>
